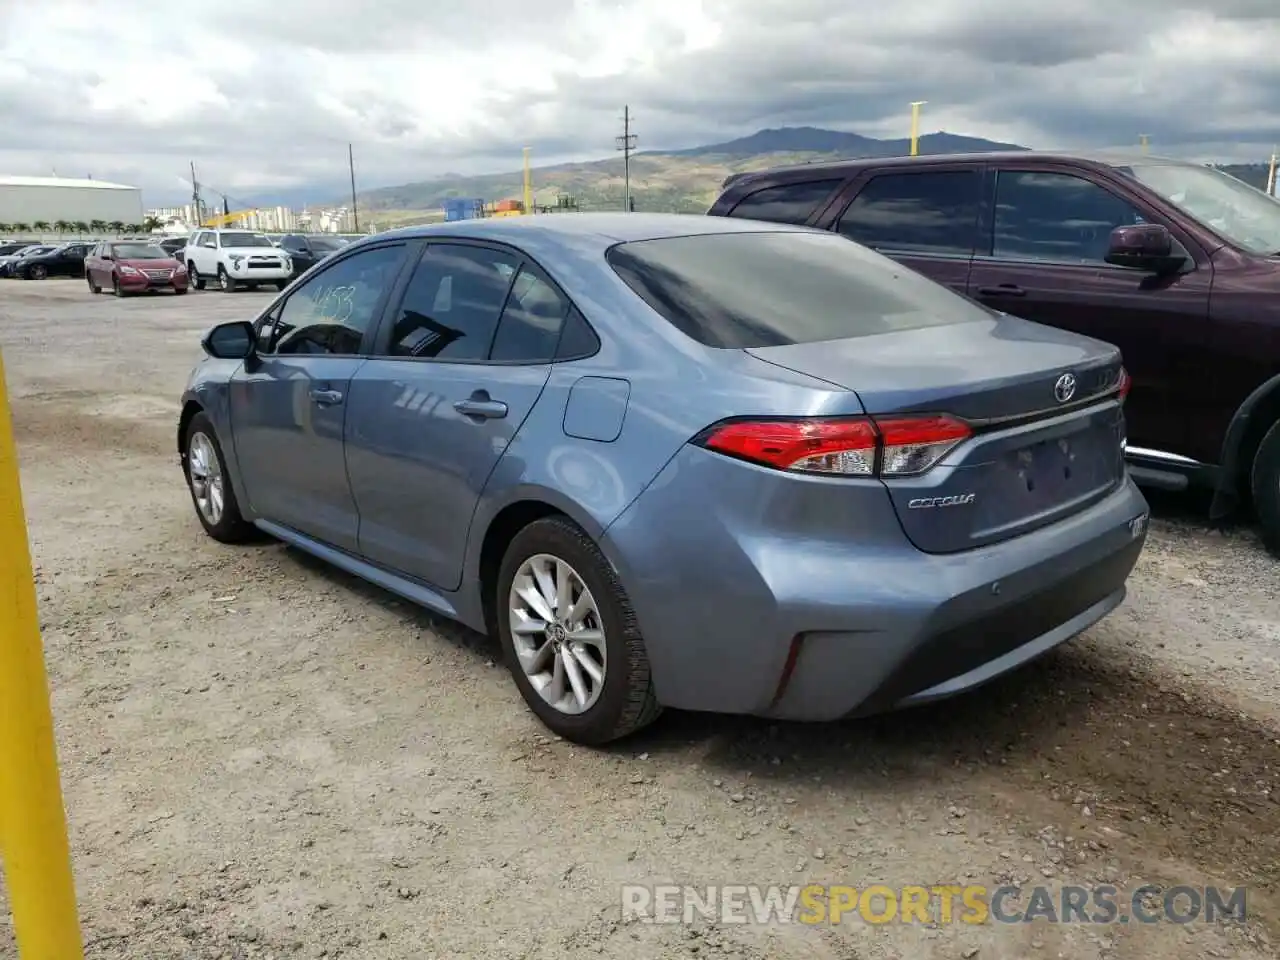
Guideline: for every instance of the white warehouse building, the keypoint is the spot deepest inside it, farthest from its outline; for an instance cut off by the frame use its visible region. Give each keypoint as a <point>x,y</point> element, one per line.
<point>50,199</point>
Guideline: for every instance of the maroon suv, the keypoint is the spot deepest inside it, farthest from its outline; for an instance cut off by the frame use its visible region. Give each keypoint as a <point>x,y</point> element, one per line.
<point>1177,264</point>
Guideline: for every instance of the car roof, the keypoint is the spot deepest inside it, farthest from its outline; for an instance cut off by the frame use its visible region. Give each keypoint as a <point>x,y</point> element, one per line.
<point>597,229</point>
<point>1110,158</point>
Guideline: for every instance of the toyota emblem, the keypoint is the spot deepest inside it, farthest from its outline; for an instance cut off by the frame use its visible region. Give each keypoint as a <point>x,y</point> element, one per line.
<point>1065,388</point>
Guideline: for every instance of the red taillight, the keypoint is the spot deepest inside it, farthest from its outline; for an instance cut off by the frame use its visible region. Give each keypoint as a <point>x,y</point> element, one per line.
<point>848,446</point>
<point>1125,382</point>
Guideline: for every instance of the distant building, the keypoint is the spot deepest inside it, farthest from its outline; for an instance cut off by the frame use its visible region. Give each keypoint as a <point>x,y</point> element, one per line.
<point>33,200</point>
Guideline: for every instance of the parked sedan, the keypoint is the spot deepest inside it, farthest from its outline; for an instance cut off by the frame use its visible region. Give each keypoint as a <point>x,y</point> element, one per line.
<point>9,264</point>
<point>12,251</point>
<point>133,267</point>
<point>306,250</point>
<point>65,260</point>
<point>678,462</point>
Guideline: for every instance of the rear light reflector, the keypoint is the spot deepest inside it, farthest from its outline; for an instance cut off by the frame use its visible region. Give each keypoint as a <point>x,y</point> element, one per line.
<point>1125,382</point>
<point>844,446</point>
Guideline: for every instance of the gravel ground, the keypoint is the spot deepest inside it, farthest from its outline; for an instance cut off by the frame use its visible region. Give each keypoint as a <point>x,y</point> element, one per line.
<point>265,758</point>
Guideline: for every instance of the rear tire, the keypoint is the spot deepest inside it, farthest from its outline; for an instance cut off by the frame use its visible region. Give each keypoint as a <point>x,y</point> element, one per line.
<point>623,700</point>
<point>212,493</point>
<point>93,287</point>
<point>1265,487</point>
<point>37,272</point>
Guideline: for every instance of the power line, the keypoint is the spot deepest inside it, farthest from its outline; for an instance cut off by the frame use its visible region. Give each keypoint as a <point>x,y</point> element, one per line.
<point>627,144</point>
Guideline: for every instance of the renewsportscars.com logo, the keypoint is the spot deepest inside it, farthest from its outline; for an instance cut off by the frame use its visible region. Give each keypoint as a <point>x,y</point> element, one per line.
<point>879,904</point>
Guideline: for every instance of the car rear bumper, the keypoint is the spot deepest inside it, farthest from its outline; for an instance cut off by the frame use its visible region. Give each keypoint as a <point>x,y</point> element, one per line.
<point>843,616</point>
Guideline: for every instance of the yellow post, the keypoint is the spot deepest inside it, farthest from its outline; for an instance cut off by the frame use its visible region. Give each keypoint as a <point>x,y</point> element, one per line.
<point>1145,140</point>
<point>528,184</point>
<point>915,126</point>
<point>33,826</point>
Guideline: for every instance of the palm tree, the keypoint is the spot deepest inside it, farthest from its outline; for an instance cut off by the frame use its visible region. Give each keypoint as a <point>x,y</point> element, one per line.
<point>116,227</point>
<point>153,224</point>
<point>98,226</point>
<point>61,226</point>
<point>40,226</point>
<point>5,227</point>
<point>134,227</point>
<point>80,227</point>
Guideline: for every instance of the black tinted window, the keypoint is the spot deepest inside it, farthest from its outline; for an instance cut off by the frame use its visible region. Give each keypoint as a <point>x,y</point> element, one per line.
<point>330,312</point>
<point>916,212</point>
<point>531,320</point>
<point>451,306</point>
<point>790,203</point>
<point>768,289</point>
<point>577,339</point>
<point>1056,216</point>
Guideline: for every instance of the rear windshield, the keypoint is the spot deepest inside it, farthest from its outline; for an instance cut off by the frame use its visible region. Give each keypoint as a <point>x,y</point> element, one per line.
<point>742,290</point>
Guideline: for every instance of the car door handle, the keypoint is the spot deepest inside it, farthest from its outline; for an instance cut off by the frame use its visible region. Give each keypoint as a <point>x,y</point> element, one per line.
<point>1003,290</point>
<point>479,405</point>
<point>326,398</point>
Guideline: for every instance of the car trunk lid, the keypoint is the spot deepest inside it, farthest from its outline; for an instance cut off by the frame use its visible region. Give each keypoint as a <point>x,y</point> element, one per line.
<point>1043,405</point>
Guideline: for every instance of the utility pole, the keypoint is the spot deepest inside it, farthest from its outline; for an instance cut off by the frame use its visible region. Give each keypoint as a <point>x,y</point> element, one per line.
<point>1271,174</point>
<point>1145,140</point>
<point>627,144</point>
<point>915,126</point>
<point>351,166</point>
<point>527,200</point>
<point>195,195</point>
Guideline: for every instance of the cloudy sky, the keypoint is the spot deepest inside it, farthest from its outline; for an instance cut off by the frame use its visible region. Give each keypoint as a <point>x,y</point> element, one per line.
<point>267,93</point>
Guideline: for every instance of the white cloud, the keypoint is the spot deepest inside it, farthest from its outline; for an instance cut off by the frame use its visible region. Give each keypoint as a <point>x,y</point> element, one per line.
<point>268,94</point>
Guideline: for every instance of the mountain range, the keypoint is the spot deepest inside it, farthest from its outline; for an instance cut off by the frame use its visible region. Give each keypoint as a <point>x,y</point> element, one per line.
<point>684,180</point>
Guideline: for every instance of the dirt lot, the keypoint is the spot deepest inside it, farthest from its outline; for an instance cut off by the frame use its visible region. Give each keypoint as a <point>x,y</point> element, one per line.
<point>264,758</point>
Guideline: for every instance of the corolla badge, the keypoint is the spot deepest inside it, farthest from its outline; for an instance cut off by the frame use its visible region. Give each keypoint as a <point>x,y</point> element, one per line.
<point>928,503</point>
<point>1065,388</point>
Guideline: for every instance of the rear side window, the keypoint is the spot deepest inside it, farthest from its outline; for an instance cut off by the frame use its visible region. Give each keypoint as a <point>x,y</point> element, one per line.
<point>916,212</point>
<point>767,289</point>
<point>789,203</point>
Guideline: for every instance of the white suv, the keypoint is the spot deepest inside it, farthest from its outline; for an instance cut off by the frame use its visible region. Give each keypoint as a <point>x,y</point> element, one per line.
<point>235,258</point>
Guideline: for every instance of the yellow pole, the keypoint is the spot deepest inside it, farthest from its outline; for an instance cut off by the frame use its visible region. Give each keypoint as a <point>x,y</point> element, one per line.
<point>915,126</point>
<point>1145,139</point>
<point>528,184</point>
<point>33,826</point>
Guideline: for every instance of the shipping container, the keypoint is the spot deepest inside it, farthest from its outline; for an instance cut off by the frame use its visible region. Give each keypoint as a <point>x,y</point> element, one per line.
<point>509,206</point>
<point>463,209</point>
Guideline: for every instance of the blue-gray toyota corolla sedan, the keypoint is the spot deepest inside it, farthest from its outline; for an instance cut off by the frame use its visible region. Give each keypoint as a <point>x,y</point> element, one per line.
<point>678,461</point>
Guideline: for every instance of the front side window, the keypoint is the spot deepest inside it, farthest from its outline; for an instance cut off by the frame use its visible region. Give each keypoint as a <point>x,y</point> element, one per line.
<point>451,306</point>
<point>330,313</point>
<point>1056,216</point>
<point>789,203</point>
<point>928,212</point>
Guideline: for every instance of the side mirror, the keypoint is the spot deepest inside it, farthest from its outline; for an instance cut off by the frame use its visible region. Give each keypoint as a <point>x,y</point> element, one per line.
<point>1144,246</point>
<point>229,341</point>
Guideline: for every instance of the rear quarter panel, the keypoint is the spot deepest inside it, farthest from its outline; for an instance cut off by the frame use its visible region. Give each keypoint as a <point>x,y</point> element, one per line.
<point>677,388</point>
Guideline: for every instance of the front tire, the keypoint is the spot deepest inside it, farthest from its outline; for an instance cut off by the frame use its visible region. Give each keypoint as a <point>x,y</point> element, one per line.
<point>193,275</point>
<point>115,287</point>
<point>1265,487</point>
<point>210,486</point>
<point>37,272</point>
<point>225,280</point>
<point>570,637</point>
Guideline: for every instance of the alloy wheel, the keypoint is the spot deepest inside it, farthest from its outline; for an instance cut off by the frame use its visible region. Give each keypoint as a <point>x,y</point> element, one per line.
<point>557,633</point>
<point>204,471</point>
